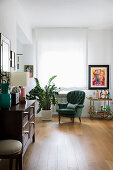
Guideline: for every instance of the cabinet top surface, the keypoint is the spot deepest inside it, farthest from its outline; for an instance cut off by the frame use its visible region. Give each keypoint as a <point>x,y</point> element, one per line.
<point>22,107</point>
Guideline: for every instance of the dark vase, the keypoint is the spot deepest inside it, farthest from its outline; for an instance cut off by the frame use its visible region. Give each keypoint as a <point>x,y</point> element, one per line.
<point>5,97</point>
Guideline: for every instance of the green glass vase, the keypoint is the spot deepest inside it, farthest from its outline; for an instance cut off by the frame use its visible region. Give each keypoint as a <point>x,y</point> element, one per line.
<point>5,97</point>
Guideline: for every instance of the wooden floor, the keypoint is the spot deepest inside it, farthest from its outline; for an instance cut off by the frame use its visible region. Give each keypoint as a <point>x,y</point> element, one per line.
<point>85,146</point>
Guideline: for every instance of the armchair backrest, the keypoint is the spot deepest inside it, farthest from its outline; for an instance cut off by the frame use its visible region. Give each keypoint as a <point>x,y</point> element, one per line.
<point>76,97</point>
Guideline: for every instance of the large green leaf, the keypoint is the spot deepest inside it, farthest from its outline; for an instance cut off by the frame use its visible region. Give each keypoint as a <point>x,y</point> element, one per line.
<point>45,96</point>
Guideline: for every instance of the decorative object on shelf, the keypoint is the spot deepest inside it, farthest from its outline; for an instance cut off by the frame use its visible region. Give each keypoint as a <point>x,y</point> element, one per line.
<point>15,98</point>
<point>45,97</point>
<point>4,54</point>
<point>101,94</point>
<point>5,77</point>
<point>12,59</point>
<point>109,95</point>
<point>108,108</point>
<point>97,94</point>
<point>20,79</point>
<point>98,77</point>
<point>29,68</point>
<point>23,100</point>
<point>101,108</point>
<point>16,90</point>
<point>5,97</point>
<point>15,95</point>
<point>106,94</point>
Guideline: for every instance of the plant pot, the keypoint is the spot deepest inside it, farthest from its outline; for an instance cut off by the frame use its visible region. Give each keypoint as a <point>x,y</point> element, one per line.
<point>46,114</point>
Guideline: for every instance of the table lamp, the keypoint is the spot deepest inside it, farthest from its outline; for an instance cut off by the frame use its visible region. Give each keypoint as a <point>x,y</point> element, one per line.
<point>20,79</point>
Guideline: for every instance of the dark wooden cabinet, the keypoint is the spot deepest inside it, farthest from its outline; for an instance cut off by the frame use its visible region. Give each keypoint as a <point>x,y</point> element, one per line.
<point>19,123</point>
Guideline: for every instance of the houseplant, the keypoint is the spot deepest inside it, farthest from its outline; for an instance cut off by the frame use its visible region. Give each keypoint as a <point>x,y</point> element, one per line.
<point>45,97</point>
<point>5,97</point>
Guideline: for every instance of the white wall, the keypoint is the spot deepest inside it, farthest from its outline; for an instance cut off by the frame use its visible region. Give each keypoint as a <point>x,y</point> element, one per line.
<point>20,56</point>
<point>99,51</point>
<point>29,58</point>
<point>22,21</point>
<point>8,21</point>
<point>11,14</point>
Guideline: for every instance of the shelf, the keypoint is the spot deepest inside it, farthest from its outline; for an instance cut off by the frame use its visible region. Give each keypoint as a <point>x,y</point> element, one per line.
<point>94,99</point>
<point>104,114</point>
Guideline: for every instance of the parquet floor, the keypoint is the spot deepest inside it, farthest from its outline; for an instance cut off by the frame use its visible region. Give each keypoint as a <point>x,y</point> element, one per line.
<point>85,146</point>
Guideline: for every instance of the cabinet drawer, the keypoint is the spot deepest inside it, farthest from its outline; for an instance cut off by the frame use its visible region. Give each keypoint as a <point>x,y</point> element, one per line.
<point>25,133</point>
<point>25,116</point>
<point>25,139</point>
<point>32,125</point>
<point>31,110</point>
<point>25,120</point>
<point>32,119</point>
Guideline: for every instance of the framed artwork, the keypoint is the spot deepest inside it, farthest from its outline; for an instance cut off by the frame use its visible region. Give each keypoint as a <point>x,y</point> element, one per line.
<point>98,77</point>
<point>29,68</point>
<point>17,66</point>
<point>12,59</point>
<point>18,57</point>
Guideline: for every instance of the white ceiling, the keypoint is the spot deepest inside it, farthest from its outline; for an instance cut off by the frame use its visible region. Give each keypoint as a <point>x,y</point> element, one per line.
<point>69,13</point>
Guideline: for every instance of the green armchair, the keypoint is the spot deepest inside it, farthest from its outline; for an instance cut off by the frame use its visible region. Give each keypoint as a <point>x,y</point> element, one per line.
<point>73,107</point>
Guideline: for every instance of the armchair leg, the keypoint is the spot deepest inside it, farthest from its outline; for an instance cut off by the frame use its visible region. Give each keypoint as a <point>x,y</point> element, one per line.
<point>59,119</point>
<point>80,119</point>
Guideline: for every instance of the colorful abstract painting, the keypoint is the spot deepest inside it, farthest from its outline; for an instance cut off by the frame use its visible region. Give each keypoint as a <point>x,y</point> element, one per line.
<point>98,76</point>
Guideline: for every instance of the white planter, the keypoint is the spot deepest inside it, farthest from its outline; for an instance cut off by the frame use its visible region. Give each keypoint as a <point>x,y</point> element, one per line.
<point>46,114</point>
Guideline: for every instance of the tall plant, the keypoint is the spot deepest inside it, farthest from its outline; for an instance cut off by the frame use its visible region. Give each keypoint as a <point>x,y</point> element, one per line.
<point>45,96</point>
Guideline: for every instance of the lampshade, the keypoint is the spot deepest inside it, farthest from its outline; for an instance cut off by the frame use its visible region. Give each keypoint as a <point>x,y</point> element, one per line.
<point>19,78</point>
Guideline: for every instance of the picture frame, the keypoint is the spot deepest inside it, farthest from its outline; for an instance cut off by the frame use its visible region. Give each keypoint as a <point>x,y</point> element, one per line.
<point>98,77</point>
<point>17,66</point>
<point>12,59</point>
<point>30,69</point>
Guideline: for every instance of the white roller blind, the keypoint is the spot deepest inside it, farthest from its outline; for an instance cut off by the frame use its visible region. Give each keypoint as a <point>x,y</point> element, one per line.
<point>62,52</point>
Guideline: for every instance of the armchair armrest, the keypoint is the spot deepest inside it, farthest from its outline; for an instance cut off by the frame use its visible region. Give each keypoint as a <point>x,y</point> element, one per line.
<point>62,105</point>
<point>78,110</point>
<point>80,105</point>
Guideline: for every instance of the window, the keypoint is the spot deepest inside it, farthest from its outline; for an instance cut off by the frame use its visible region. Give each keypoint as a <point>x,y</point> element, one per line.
<point>62,52</point>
